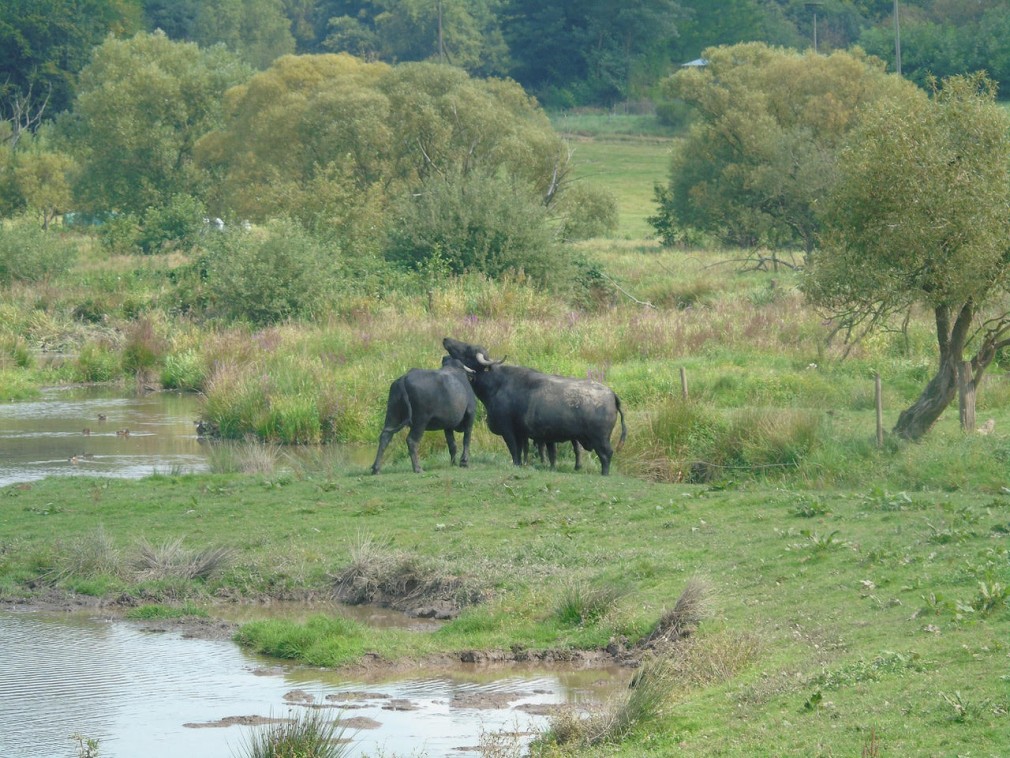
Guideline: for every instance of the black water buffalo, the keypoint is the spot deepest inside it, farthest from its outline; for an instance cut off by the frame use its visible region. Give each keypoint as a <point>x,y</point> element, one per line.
<point>524,404</point>
<point>429,400</point>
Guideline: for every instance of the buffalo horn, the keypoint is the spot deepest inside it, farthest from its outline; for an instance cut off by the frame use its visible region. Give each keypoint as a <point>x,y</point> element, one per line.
<point>483,360</point>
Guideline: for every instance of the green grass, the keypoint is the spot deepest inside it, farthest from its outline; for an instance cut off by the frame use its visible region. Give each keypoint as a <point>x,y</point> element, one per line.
<point>863,611</point>
<point>860,601</point>
<point>628,169</point>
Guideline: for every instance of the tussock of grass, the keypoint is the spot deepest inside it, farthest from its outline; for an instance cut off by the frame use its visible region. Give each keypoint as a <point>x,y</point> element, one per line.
<point>307,735</point>
<point>644,702</point>
<point>88,556</point>
<point>582,604</point>
<point>170,560</point>
<point>244,458</point>
<point>381,575</point>
<point>692,607</point>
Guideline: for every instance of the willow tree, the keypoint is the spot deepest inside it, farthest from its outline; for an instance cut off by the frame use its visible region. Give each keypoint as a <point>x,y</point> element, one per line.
<point>763,149</point>
<point>921,216</point>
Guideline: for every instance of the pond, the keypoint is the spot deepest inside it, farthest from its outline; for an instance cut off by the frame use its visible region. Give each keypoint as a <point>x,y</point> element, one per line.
<point>156,694</point>
<point>96,431</point>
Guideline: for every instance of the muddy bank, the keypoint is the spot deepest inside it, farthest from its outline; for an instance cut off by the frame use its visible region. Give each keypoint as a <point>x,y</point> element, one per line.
<point>618,652</point>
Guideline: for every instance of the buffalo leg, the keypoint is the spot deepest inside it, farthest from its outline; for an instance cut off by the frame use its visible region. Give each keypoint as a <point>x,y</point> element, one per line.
<point>515,448</point>
<point>605,452</point>
<point>413,440</point>
<point>465,460</point>
<point>450,440</point>
<point>577,449</point>
<point>384,438</point>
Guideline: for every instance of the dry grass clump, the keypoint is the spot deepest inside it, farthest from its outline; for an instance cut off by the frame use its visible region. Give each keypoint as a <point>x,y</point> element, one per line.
<point>170,560</point>
<point>692,607</point>
<point>380,575</point>
<point>86,557</point>
<point>647,697</point>
<point>244,457</point>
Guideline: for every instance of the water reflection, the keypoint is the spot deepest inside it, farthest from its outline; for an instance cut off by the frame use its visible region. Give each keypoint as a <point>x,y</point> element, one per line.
<point>99,432</point>
<point>143,693</point>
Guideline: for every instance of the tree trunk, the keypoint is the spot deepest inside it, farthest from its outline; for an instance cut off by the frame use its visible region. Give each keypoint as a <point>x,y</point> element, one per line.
<point>954,376</point>
<point>966,397</point>
<point>919,418</point>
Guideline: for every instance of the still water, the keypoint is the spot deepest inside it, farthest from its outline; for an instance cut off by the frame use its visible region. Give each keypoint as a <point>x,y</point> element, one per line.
<point>99,432</point>
<point>158,695</point>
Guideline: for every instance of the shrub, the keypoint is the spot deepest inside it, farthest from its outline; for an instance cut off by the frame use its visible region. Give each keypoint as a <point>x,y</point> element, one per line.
<point>478,224</point>
<point>97,363</point>
<point>30,254</point>
<point>265,278</point>
<point>120,233</point>
<point>177,224</point>
<point>586,212</point>
<point>143,349</point>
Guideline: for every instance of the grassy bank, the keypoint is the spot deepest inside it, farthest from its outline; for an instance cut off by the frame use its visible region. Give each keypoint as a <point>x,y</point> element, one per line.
<point>839,617</point>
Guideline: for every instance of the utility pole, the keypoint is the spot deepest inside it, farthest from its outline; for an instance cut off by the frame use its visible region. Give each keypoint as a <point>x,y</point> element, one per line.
<point>814,7</point>
<point>441,40</point>
<point>897,40</point>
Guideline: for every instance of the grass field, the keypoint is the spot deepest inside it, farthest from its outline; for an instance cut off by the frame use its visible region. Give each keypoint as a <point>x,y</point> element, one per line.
<point>839,619</point>
<point>856,595</point>
<point>629,169</point>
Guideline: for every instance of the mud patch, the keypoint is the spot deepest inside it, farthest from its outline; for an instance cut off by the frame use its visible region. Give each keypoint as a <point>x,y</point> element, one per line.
<point>358,722</point>
<point>237,721</point>
<point>486,700</point>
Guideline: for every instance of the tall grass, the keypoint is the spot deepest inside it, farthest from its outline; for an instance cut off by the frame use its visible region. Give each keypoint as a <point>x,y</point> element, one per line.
<point>307,735</point>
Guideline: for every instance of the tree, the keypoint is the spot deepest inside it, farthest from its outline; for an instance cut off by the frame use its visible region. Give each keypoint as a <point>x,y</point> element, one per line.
<point>579,51</point>
<point>334,135</point>
<point>257,30</point>
<point>43,178</point>
<point>45,43</point>
<point>919,217</point>
<point>763,149</point>
<point>463,33</point>
<point>143,103</point>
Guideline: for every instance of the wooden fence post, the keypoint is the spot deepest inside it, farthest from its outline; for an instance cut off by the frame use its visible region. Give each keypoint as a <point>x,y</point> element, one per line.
<point>683,382</point>
<point>880,410</point>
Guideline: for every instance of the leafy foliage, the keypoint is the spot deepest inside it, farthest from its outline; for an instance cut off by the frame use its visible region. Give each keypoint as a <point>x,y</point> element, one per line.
<point>763,149</point>
<point>475,223</point>
<point>30,254</point>
<point>267,276</point>
<point>142,104</point>
<point>922,196</point>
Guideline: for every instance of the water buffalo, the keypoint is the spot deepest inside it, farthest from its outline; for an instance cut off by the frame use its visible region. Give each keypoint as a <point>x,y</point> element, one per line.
<point>429,400</point>
<point>524,404</point>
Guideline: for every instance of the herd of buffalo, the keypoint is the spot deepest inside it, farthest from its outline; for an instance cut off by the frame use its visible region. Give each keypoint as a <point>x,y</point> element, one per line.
<point>522,405</point>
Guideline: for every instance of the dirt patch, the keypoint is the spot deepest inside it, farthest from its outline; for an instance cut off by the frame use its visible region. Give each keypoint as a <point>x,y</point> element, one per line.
<point>236,721</point>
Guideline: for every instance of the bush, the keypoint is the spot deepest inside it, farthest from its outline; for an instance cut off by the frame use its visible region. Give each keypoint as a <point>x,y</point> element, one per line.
<point>479,224</point>
<point>120,233</point>
<point>177,224</point>
<point>265,278</point>
<point>30,254</point>
<point>586,212</point>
